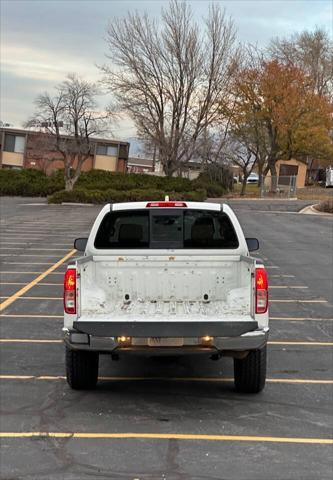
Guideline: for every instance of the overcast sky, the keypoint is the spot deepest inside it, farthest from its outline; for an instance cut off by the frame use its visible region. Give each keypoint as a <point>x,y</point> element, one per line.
<point>42,41</point>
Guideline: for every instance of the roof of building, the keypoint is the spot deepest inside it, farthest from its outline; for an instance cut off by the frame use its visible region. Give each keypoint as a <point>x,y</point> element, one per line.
<point>96,139</point>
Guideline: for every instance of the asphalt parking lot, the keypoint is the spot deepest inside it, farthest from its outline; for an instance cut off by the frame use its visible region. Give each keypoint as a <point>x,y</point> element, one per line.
<point>166,419</point>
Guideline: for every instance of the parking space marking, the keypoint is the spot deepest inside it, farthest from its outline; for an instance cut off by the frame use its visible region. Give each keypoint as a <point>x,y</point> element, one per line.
<point>271,266</point>
<point>168,436</point>
<point>301,344</point>
<point>295,381</point>
<point>34,282</point>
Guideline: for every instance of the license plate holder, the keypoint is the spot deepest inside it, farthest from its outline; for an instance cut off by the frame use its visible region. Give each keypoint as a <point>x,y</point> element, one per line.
<point>165,341</point>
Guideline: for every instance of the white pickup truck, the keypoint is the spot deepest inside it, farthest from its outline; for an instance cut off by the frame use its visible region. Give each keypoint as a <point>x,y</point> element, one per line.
<point>166,278</point>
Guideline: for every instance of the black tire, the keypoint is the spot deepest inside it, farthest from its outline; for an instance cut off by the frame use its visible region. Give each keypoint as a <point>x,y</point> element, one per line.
<point>250,372</point>
<point>81,369</point>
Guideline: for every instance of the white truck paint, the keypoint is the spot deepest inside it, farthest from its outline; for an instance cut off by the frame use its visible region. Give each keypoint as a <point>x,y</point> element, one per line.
<point>167,300</point>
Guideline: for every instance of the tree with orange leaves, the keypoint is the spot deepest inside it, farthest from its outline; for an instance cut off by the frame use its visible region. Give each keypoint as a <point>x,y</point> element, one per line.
<point>283,115</point>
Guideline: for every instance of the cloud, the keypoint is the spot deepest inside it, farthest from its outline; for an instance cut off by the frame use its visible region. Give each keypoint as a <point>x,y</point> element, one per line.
<point>42,41</point>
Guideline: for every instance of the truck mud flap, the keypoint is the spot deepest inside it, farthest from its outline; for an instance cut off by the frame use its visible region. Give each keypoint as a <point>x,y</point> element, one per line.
<point>165,329</point>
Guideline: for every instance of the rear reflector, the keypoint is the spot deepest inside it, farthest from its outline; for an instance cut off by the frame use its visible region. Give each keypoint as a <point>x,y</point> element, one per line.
<point>70,291</point>
<point>166,204</point>
<point>261,290</point>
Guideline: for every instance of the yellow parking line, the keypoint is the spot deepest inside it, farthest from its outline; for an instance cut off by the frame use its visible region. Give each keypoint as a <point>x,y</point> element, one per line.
<point>301,381</point>
<point>301,319</point>
<point>168,436</point>
<point>302,344</point>
<point>23,290</point>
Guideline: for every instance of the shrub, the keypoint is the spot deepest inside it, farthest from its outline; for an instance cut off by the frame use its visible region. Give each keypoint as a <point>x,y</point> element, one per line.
<point>325,206</point>
<point>80,195</point>
<point>28,182</point>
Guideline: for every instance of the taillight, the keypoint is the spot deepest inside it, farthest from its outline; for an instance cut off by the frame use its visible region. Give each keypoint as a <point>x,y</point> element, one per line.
<point>261,290</point>
<point>70,291</point>
<point>166,204</point>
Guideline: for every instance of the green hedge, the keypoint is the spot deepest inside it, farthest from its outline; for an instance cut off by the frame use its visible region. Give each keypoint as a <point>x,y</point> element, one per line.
<point>98,186</point>
<point>80,195</point>
<point>30,183</point>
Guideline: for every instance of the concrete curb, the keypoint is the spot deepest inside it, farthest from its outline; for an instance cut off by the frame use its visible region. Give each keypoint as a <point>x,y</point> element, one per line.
<point>311,210</point>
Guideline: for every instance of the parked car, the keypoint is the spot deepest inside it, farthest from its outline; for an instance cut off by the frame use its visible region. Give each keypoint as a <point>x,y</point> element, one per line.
<point>253,178</point>
<point>165,278</point>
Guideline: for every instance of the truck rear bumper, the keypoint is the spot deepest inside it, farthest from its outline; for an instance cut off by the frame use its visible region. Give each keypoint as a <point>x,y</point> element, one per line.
<point>228,338</point>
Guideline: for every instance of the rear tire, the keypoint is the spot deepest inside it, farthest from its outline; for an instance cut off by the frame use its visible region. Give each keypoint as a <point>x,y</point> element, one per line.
<point>250,372</point>
<point>81,369</point>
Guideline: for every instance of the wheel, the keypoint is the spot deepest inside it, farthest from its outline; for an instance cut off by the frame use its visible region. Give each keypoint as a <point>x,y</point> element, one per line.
<point>250,372</point>
<point>81,369</point>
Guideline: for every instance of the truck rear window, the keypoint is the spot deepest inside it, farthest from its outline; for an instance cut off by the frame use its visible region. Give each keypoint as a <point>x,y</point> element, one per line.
<point>167,228</point>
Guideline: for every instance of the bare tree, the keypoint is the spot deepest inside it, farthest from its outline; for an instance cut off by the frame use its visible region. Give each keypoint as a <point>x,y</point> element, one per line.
<point>170,77</point>
<point>310,51</point>
<point>70,121</point>
<point>239,151</point>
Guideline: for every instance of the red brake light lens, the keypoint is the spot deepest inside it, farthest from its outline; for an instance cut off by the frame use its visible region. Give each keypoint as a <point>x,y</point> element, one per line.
<point>166,204</point>
<point>261,290</point>
<point>70,291</point>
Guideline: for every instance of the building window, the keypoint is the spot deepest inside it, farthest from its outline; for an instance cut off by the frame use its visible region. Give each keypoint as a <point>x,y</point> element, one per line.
<point>110,150</point>
<point>14,143</point>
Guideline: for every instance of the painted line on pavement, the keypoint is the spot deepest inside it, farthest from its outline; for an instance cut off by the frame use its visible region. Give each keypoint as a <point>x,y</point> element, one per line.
<point>168,436</point>
<point>295,381</point>
<point>23,290</point>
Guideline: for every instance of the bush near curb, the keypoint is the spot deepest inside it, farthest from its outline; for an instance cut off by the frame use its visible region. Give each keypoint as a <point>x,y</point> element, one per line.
<point>30,183</point>
<point>98,186</point>
<point>326,206</point>
<point>80,195</point>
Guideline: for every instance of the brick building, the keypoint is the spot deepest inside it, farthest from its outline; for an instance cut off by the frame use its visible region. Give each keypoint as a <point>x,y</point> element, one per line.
<point>29,149</point>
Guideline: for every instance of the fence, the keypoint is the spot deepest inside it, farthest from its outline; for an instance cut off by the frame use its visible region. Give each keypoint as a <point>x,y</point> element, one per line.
<point>278,187</point>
